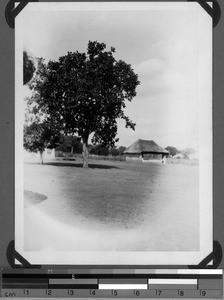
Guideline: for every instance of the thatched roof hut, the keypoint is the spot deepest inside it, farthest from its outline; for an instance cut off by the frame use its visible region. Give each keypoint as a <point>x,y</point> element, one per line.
<point>145,150</point>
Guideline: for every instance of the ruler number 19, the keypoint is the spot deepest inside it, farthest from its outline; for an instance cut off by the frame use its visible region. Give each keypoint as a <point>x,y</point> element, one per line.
<point>203,293</point>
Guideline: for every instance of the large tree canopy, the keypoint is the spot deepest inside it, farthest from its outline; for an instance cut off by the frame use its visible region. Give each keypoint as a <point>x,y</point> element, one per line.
<point>85,93</point>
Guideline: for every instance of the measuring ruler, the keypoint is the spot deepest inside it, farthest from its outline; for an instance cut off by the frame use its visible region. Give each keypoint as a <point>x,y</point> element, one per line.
<point>116,283</point>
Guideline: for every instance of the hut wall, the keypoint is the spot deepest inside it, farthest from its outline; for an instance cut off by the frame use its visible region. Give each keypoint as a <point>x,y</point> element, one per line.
<point>133,157</point>
<point>153,157</point>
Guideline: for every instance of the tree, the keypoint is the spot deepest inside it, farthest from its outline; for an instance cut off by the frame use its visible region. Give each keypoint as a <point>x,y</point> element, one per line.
<point>37,137</point>
<point>117,151</point>
<point>121,149</point>
<point>114,151</point>
<point>38,132</point>
<point>70,144</point>
<point>187,152</point>
<point>100,150</point>
<point>28,68</point>
<point>85,93</point>
<point>172,150</point>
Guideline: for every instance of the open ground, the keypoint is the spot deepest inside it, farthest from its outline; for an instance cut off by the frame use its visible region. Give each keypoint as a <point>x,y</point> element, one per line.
<point>120,206</point>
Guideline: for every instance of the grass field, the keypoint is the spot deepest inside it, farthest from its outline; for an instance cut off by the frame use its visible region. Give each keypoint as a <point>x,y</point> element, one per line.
<point>111,206</point>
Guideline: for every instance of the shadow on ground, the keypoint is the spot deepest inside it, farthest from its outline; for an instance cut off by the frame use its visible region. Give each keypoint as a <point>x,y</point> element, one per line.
<point>31,198</point>
<point>76,165</point>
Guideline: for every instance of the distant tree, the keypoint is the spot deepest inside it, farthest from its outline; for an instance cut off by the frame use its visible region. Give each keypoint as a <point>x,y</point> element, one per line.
<point>99,150</point>
<point>121,149</point>
<point>85,93</point>
<point>187,152</point>
<point>38,136</point>
<point>28,67</point>
<point>114,151</point>
<point>117,151</point>
<point>70,144</point>
<point>38,133</point>
<point>172,150</point>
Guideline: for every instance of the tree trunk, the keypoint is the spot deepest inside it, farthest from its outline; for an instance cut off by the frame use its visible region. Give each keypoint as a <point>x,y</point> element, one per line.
<point>41,157</point>
<point>71,149</point>
<point>85,154</point>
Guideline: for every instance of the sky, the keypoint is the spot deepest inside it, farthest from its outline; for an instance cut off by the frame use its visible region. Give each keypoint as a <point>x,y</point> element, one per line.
<point>161,46</point>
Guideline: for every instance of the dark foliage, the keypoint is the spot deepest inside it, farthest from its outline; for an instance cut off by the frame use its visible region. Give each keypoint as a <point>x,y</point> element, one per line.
<point>84,93</point>
<point>28,68</point>
<point>172,150</point>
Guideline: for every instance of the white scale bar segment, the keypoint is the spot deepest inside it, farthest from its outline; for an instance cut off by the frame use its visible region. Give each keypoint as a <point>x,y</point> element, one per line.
<point>180,271</point>
<point>206,272</point>
<point>172,281</point>
<point>123,286</point>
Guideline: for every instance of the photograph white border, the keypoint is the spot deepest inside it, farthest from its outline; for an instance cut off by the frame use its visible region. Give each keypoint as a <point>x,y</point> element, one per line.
<point>205,146</point>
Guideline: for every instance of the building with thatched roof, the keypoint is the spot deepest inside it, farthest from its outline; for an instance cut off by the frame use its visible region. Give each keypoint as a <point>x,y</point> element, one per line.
<point>146,151</point>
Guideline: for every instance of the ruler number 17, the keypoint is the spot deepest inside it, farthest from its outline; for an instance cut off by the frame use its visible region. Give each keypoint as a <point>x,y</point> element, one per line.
<point>158,293</point>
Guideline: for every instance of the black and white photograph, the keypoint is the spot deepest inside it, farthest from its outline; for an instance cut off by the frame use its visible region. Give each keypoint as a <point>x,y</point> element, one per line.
<point>113,133</point>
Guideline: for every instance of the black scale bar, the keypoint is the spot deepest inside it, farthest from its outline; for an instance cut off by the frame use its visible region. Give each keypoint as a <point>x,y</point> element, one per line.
<point>25,280</point>
<point>74,286</point>
<point>51,286</point>
<point>25,286</point>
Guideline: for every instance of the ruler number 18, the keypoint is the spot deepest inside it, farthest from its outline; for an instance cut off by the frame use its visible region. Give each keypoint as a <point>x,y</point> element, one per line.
<point>180,293</point>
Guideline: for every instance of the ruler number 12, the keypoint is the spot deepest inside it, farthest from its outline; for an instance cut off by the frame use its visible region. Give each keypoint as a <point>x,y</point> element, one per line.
<point>49,292</point>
